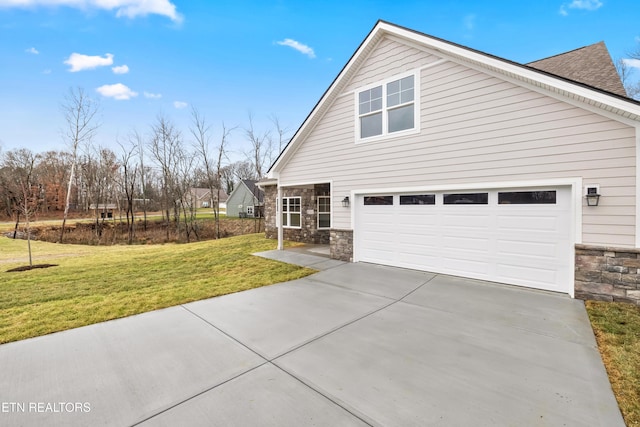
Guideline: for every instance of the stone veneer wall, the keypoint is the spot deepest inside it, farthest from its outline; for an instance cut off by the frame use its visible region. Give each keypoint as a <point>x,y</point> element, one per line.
<point>270,196</point>
<point>607,274</point>
<point>309,232</point>
<point>341,245</point>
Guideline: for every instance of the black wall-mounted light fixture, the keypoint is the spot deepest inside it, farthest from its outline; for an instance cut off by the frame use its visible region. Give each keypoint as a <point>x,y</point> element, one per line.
<point>345,202</point>
<point>592,196</point>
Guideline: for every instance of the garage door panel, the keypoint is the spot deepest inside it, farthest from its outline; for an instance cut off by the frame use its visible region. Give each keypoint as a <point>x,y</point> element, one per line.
<point>457,220</point>
<point>539,250</point>
<point>532,277</point>
<point>466,244</point>
<point>528,223</point>
<point>466,267</point>
<point>521,244</point>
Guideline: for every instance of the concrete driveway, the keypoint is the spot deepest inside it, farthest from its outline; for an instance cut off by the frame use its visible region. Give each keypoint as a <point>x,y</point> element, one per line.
<point>353,345</point>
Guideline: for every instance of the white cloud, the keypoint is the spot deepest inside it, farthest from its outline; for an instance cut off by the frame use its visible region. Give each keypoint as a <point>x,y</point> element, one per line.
<point>180,105</point>
<point>117,91</point>
<point>120,69</point>
<point>152,95</point>
<point>302,48</point>
<point>123,8</point>
<point>585,4</point>
<point>469,21</point>
<point>581,5</point>
<point>79,62</point>
<point>634,63</point>
<point>32,50</point>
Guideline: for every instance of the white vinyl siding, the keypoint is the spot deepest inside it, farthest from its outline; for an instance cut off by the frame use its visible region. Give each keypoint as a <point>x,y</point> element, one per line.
<point>475,128</point>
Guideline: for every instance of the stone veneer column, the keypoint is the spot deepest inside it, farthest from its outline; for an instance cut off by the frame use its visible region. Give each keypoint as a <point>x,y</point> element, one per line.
<point>341,245</point>
<point>270,210</point>
<point>607,274</point>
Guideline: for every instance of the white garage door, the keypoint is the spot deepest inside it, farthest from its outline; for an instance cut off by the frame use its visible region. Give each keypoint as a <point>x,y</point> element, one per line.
<point>514,236</point>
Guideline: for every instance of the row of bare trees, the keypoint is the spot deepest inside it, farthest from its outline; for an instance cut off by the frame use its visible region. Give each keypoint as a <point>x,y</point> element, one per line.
<point>628,73</point>
<point>153,170</point>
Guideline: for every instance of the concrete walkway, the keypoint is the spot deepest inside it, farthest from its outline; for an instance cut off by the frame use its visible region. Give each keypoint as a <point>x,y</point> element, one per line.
<point>353,345</point>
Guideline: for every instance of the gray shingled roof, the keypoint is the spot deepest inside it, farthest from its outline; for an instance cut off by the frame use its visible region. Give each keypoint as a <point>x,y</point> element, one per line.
<point>255,190</point>
<point>591,65</point>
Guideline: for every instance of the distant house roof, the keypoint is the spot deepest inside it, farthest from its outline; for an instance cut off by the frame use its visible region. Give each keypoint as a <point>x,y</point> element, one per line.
<point>591,65</point>
<point>203,193</point>
<point>254,189</point>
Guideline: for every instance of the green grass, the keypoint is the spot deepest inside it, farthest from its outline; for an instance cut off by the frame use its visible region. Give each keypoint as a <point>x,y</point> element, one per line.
<point>94,284</point>
<point>617,330</point>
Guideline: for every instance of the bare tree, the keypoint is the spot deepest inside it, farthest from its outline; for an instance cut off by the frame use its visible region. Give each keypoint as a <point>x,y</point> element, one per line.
<point>212,163</point>
<point>281,135</point>
<point>143,176</point>
<point>244,170</point>
<point>22,165</point>
<point>184,196</point>
<point>80,116</point>
<point>164,147</point>
<point>128,179</point>
<point>261,147</point>
<point>53,169</point>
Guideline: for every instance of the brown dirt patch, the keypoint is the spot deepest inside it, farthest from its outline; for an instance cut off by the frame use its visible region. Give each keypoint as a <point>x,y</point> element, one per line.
<point>30,267</point>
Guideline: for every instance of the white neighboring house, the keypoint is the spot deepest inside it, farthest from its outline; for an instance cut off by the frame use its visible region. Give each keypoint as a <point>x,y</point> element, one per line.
<point>433,156</point>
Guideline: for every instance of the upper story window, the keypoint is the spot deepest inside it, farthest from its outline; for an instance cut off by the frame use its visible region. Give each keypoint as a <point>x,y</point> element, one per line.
<point>387,108</point>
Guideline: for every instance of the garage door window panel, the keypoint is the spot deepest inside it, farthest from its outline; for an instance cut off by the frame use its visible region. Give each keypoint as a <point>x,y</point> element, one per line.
<point>378,200</point>
<point>527,198</point>
<point>418,199</point>
<point>466,199</point>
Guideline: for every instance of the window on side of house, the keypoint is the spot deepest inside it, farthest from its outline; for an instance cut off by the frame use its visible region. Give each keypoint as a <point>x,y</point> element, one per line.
<point>249,210</point>
<point>291,208</point>
<point>324,212</point>
<point>387,108</point>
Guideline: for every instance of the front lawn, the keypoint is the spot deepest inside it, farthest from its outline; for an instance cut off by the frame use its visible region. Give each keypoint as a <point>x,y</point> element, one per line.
<point>617,330</point>
<point>93,284</point>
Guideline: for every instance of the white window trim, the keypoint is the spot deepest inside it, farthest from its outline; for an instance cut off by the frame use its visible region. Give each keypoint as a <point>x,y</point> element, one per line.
<point>385,133</point>
<point>289,212</point>
<point>324,213</point>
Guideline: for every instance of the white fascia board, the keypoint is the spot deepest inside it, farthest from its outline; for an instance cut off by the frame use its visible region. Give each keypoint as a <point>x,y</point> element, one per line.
<point>306,183</point>
<point>267,182</point>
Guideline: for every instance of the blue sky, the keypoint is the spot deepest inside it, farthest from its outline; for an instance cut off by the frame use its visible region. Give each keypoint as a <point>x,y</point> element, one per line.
<point>142,58</point>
